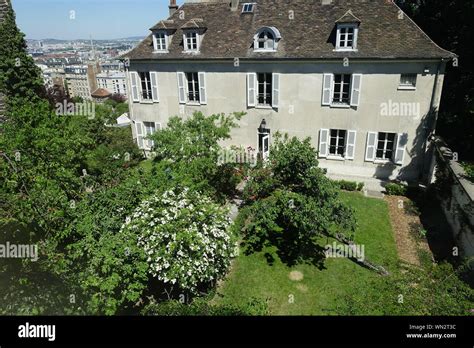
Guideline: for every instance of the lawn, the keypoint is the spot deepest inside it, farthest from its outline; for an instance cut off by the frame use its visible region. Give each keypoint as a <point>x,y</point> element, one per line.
<point>320,291</point>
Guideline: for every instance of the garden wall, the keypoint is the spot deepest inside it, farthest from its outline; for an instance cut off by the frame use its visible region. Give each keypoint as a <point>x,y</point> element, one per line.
<point>456,195</point>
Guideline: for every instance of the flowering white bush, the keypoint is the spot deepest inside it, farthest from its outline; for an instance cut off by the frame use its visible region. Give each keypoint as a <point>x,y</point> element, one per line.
<point>185,237</point>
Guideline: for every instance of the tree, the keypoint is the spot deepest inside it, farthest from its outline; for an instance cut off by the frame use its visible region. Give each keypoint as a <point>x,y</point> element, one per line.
<point>449,24</point>
<point>192,147</point>
<point>19,76</point>
<point>291,204</point>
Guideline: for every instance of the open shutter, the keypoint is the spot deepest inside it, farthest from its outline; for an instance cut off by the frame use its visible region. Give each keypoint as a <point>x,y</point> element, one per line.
<point>181,88</point>
<point>251,89</point>
<point>371,146</point>
<point>276,90</point>
<point>202,88</point>
<point>356,84</point>
<point>139,132</point>
<point>134,78</point>
<point>154,86</point>
<point>402,140</point>
<point>323,142</point>
<point>350,144</point>
<point>327,89</point>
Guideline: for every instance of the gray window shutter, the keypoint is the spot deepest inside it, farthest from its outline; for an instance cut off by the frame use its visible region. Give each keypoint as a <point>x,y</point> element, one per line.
<point>181,88</point>
<point>276,90</point>
<point>154,86</point>
<point>356,84</point>
<point>402,140</point>
<point>327,89</point>
<point>323,142</point>
<point>202,88</point>
<point>139,132</point>
<point>251,89</point>
<point>134,78</point>
<point>350,144</point>
<point>371,147</point>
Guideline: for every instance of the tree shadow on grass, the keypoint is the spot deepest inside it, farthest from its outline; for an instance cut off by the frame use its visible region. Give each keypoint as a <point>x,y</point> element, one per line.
<point>291,256</point>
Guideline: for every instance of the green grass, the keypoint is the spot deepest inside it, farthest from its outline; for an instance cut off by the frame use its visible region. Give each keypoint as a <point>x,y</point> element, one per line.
<point>320,291</point>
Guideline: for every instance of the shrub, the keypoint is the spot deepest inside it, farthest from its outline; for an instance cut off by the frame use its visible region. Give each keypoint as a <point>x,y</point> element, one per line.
<point>349,185</point>
<point>394,189</point>
<point>185,237</point>
<point>201,307</point>
<point>360,186</point>
<point>469,170</point>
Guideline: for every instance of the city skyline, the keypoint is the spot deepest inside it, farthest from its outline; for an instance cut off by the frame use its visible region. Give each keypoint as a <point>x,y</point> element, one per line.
<point>83,19</point>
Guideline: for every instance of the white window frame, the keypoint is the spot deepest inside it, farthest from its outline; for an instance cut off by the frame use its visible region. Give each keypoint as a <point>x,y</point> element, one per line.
<point>266,85</point>
<point>338,138</point>
<point>188,42</point>
<point>341,89</point>
<point>345,46</point>
<point>147,143</point>
<point>385,147</point>
<point>248,7</point>
<point>196,88</point>
<point>406,86</point>
<point>148,84</point>
<point>160,44</point>
<point>274,42</point>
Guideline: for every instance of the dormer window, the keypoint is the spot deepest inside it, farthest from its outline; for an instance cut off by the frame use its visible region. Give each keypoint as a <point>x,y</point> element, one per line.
<point>160,41</point>
<point>191,41</point>
<point>347,37</point>
<point>248,8</point>
<point>266,39</point>
<point>347,32</point>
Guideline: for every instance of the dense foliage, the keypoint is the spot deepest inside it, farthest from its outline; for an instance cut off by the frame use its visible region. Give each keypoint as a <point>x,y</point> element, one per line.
<point>449,24</point>
<point>395,189</point>
<point>192,147</point>
<point>184,236</point>
<point>292,203</point>
<point>202,307</point>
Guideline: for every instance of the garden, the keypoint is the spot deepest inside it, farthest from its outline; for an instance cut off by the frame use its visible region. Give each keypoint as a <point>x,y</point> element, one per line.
<point>184,233</point>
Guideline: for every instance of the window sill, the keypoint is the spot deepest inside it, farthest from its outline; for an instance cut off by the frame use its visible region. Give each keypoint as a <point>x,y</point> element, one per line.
<point>345,50</point>
<point>264,51</point>
<point>267,107</point>
<point>406,88</point>
<point>161,51</point>
<point>192,104</point>
<point>382,161</point>
<point>146,101</point>
<point>340,106</point>
<point>191,52</point>
<point>335,158</point>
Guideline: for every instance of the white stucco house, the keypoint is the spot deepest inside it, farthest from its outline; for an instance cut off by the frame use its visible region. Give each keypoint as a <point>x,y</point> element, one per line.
<point>358,77</point>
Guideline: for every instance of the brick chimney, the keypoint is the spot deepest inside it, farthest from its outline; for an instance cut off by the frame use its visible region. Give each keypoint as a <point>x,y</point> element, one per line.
<point>173,7</point>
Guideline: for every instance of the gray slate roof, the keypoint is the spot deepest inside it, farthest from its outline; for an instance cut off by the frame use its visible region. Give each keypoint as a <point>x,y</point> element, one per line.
<point>310,35</point>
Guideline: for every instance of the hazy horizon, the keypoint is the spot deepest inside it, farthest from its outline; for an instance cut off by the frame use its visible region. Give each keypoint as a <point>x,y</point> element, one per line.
<point>80,19</point>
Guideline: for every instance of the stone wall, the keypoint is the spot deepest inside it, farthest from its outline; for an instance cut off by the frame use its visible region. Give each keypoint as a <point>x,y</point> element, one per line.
<point>456,194</point>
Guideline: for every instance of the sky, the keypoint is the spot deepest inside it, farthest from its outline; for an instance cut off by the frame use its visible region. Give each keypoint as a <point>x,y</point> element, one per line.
<point>79,19</point>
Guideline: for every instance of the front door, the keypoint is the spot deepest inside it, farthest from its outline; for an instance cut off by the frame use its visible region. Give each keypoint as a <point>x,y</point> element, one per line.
<point>264,145</point>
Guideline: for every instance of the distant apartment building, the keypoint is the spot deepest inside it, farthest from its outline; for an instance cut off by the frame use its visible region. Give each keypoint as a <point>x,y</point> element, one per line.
<point>52,77</point>
<point>82,80</point>
<point>113,81</point>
